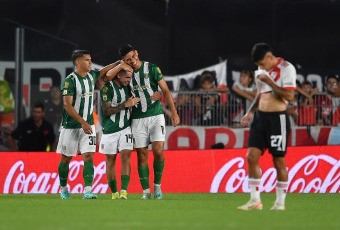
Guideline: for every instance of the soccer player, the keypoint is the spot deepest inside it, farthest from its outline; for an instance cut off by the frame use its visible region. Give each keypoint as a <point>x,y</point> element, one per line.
<point>148,123</point>
<point>270,128</point>
<point>117,137</point>
<point>78,130</point>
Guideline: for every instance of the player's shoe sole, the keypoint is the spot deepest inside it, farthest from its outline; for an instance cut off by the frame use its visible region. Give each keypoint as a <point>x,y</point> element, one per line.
<point>251,205</point>
<point>278,207</point>
<point>90,195</point>
<point>123,195</point>
<point>65,195</point>
<point>115,196</point>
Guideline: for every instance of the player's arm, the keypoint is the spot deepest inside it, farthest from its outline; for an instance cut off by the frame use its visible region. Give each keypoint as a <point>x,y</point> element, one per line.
<point>111,73</point>
<point>245,121</point>
<point>287,94</point>
<point>73,113</point>
<point>168,97</point>
<point>103,71</point>
<point>109,110</point>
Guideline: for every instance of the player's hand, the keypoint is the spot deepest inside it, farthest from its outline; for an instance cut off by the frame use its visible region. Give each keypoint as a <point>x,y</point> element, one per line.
<point>265,78</point>
<point>245,121</point>
<point>87,128</point>
<point>132,101</point>
<point>174,119</point>
<point>156,96</point>
<point>125,67</point>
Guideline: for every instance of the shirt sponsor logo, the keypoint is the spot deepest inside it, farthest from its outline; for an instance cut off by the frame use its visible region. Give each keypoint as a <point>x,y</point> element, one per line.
<point>66,85</point>
<point>65,92</point>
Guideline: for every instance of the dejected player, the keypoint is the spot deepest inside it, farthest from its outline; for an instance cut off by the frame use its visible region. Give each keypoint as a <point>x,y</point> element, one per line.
<point>270,128</point>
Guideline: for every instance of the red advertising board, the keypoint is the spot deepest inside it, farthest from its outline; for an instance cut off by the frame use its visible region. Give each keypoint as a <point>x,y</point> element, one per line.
<point>313,169</point>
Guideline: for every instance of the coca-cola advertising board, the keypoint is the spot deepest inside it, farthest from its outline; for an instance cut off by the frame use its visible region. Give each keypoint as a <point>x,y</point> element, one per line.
<point>314,169</point>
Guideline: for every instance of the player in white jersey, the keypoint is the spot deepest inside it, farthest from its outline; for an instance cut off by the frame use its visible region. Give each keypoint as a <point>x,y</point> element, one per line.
<point>78,131</point>
<point>148,123</point>
<point>117,137</point>
<point>270,128</point>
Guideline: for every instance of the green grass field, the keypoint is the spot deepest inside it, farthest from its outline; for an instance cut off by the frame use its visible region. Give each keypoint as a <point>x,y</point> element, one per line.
<point>175,211</point>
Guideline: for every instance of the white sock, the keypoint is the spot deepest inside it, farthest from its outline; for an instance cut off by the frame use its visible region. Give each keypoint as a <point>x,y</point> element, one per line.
<point>146,191</point>
<point>156,186</point>
<point>63,188</point>
<point>254,185</point>
<point>281,190</point>
<point>122,190</point>
<point>88,189</point>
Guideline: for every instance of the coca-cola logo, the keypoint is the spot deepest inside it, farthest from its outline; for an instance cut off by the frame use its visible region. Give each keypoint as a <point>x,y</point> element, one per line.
<point>313,173</point>
<point>48,182</point>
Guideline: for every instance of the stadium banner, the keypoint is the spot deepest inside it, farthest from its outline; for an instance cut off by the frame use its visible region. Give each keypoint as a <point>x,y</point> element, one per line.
<point>199,137</point>
<point>313,169</point>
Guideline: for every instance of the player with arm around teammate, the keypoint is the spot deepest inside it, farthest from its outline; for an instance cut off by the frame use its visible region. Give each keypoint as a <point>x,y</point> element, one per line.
<point>270,128</point>
<point>117,136</point>
<point>78,130</point>
<point>148,123</point>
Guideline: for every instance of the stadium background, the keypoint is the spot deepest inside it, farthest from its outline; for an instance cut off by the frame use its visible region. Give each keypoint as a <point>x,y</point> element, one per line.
<point>180,37</point>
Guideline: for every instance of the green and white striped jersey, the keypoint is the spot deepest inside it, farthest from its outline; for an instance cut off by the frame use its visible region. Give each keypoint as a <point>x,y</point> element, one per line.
<point>82,89</point>
<point>116,95</point>
<point>143,85</point>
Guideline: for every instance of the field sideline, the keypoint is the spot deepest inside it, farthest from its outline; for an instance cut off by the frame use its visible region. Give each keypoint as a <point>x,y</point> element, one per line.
<point>175,211</point>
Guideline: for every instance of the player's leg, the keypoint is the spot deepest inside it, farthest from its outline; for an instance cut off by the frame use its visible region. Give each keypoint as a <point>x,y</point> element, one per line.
<point>108,146</point>
<point>158,167</point>
<point>111,175</point>
<point>87,147</point>
<point>157,137</point>
<point>125,156</point>
<point>253,156</point>
<point>67,146</point>
<point>141,142</point>
<point>282,183</point>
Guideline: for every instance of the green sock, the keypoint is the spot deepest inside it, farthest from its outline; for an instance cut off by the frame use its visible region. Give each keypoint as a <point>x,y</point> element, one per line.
<point>125,181</point>
<point>63,173</point>
<point>113,185</point>
<point>88,173</point>
<point>158,171</point>
<point>144,176</point>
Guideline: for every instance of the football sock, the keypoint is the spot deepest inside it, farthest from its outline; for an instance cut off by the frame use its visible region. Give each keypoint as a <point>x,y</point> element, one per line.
<point>281,189</point>
<point>113,185</point>
<point>88,172</point>
<point>254,185</point>
<point>156,186</point>
<point>158,171</point>
<point>125,181</point>
<point>143,173</point>
<point>63,173</point>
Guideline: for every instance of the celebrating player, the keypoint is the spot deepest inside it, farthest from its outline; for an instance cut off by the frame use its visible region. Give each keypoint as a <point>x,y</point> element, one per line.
<point>148,123</point>
<point>78,131</point>
<point>117,136</point>
<point>276,82</point>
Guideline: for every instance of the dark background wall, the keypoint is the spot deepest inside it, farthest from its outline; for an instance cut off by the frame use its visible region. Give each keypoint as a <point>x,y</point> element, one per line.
<point>184,35</point>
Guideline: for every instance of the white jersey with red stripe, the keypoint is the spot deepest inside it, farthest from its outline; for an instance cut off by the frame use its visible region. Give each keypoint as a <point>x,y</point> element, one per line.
<point>283,75</point>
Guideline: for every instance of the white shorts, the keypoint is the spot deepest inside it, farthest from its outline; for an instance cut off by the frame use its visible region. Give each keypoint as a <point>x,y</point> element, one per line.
<point>114,143</point>
<point>147,130</point>
<point>72,140</point>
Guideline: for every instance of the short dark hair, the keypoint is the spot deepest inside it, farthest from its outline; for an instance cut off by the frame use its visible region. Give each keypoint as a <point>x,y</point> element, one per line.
<point>207,77</point>
<point>306,83</point>
<point>259,51</point>
<point>330,76</point>
<point>79,53</point>
<point>39,105</point>
<point>125,49</point>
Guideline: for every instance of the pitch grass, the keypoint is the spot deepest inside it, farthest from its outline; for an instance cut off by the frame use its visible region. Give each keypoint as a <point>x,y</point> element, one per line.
<point>176,211</point>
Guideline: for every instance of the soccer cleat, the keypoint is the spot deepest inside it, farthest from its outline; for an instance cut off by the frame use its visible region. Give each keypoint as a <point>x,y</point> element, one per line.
<point>251,205</point>
<point>65,195</point>
<point>146,196</point>
<point>115,196</point>
<point>89,195</point>
<point>123,195</point>
<point>278,207</point>
<point>158,194</point>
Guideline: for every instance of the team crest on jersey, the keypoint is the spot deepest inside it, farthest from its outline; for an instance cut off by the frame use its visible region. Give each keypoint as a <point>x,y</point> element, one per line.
<point>105,97</point>
<point>66,85</point>
<point>273,75</point>
<point>105,89</point>
<point>159,70</point>
<point>65,92</point>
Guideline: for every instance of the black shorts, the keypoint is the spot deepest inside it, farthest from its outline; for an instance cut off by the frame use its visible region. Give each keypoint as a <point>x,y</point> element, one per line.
<point>270,130</point>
